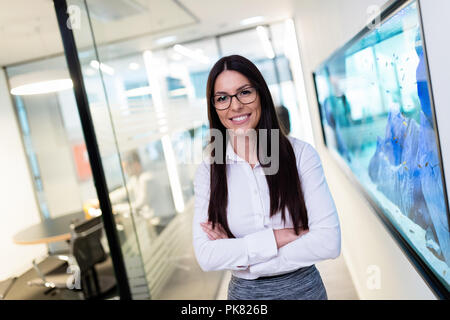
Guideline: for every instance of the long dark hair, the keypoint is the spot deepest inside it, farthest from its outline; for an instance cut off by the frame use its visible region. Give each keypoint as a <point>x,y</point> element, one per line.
<point>284,186</point>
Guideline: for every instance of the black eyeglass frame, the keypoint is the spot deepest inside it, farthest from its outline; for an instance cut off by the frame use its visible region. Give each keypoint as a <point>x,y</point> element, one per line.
<point>234,95</point>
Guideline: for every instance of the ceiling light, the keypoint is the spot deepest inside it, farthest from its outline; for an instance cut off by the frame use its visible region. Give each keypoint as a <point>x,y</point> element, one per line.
<point>165,40</point>
<point>105,68</point>
<point>252,20</point>
<point>191,54</point>
<point>42,87</point>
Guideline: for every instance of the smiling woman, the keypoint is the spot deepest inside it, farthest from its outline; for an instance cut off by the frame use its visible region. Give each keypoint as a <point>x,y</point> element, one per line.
<point>244,112</point>
<point>269,228</point>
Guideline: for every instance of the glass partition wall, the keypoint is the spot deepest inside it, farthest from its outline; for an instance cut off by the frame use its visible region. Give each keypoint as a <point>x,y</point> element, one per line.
<point>46,110</point>
<point>147,99</point>
<point>145,102</point>
<point>149,122</point>
<point>54,143</point>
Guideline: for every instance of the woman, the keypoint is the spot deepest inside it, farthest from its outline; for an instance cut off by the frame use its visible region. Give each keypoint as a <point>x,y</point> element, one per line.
<point>268,228</point>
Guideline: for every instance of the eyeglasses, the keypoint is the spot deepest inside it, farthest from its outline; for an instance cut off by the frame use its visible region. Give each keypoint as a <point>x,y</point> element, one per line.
<point>223,101</point>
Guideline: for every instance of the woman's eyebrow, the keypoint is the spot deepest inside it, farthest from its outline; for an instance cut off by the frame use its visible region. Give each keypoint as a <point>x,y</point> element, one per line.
<point>241,87</point>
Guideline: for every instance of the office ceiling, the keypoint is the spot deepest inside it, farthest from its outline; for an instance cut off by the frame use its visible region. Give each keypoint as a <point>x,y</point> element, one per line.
<point>29,30</point>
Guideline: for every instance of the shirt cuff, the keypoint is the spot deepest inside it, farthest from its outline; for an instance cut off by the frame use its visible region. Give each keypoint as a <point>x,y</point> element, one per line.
<point>241,267</point>
<point>261,246</point>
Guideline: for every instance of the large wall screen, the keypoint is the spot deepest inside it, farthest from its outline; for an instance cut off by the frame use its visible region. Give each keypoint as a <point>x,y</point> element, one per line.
<point>377,114</point>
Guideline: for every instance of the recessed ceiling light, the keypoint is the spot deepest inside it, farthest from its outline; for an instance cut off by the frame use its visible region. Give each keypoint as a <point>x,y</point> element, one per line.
<point>251,20</point>
<point>191,54</point>
<point>42,87</point>
<point>165,40</point>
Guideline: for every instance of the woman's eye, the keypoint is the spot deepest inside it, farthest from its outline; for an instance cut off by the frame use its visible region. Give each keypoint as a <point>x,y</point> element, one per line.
<point>221,98</point>
<point>245,92</point>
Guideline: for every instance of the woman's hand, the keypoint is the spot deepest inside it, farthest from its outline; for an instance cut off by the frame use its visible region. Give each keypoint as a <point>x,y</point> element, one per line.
<point>214,234</point>
<point>284,236</point>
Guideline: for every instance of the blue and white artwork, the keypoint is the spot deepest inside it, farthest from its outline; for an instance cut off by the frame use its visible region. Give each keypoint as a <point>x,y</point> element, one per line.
<point>376,113</point>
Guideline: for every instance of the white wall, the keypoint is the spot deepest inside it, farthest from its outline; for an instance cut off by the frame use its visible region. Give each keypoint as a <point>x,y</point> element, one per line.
<point>322,27</point>
<point>18,208</point>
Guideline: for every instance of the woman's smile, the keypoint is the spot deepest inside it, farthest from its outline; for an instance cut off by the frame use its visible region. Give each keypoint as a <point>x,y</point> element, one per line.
<point>241,119</point>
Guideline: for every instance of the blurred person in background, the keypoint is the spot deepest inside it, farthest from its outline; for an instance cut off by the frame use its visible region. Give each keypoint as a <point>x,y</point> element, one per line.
<point>283,118</point>
<point>136,189</point>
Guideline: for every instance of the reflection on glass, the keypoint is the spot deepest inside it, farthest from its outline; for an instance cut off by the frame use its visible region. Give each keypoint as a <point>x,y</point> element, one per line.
<point>54,142</point>
<point>146,105</point>
<point>53,136</point>
<point>376,114</point>
<point>149,111</point>
<point>97,76</point>
<point>183,148</point>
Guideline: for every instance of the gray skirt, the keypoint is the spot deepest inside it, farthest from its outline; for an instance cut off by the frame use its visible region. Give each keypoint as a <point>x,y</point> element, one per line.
<point>301,284</point>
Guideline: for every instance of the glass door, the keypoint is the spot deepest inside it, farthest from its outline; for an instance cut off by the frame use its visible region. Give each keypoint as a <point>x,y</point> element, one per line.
<point>150,121</point>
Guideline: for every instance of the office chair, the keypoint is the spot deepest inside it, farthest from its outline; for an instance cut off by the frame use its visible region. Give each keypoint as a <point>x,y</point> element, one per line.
<point>86,251</point>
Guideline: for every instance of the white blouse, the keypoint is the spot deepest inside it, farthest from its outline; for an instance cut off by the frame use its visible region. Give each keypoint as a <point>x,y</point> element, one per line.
<point>253,253</point>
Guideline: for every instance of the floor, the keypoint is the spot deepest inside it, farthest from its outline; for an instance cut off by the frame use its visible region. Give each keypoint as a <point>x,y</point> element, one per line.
<point>20,290</point>
<point>189,282</point>
<point>335,276</point>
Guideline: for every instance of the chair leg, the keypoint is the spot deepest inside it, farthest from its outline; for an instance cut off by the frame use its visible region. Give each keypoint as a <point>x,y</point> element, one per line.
<point>83,287</point>
<point>38,271</point>
<point>87,290</point>
<point>96,282</point>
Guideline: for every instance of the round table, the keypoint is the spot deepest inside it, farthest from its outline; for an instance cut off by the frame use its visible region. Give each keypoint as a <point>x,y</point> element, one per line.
<point>48,230</point>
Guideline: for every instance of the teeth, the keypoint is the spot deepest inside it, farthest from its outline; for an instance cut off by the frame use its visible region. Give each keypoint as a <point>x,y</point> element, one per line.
<point>240,118</point>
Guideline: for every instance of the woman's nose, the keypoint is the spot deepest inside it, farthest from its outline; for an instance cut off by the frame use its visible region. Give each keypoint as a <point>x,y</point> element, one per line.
<point>235,104</point>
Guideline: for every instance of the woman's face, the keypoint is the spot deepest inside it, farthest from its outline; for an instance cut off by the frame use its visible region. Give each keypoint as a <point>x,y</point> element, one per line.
<point>238,115</point>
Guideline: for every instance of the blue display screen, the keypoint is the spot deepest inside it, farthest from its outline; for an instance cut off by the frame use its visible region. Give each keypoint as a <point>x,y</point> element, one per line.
<point>376,114</point>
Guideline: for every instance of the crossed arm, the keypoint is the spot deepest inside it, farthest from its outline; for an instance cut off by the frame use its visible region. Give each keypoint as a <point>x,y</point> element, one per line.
<point>282,236</point>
